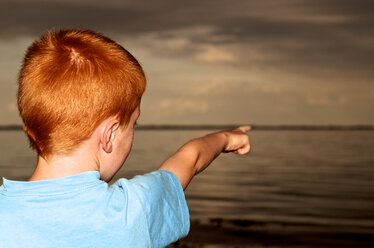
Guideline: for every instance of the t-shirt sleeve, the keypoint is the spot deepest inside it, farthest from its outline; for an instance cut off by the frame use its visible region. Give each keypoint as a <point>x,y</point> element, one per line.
<point>164,204</point>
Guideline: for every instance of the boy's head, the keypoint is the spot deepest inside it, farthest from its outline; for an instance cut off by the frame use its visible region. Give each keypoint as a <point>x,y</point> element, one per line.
<point>72,80</point>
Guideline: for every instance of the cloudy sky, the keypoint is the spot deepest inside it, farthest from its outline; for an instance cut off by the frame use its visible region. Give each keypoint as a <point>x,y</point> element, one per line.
<point>219,61</point>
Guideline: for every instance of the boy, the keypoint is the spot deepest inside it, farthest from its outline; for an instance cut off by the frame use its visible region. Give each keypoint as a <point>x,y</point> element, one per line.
<point>79,96</point>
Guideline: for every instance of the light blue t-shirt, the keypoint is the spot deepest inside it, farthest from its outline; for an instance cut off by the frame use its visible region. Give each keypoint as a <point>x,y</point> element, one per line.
<point>83,211</point>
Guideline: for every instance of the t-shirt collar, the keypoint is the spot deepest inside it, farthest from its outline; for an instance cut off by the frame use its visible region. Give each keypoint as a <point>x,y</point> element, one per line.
<point>62,184</point>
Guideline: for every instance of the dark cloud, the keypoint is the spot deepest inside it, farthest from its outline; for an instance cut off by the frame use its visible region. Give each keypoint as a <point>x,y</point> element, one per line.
<point>303,35</point>
<point>241,18</point>
<point>33,17</point>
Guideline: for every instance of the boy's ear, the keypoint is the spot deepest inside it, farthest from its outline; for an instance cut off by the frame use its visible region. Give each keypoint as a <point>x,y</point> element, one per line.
<point>108,135</point>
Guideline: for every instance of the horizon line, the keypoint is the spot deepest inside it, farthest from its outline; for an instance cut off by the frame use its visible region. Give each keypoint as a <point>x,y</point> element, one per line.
<point>17,127</point>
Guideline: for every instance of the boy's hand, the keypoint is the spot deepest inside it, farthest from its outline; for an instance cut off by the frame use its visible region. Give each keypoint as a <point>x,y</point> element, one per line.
<point>194,156</point>
<point>238,140</point>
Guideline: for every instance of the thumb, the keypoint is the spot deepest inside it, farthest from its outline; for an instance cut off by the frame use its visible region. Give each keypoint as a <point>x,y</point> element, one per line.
<point>243,150</point>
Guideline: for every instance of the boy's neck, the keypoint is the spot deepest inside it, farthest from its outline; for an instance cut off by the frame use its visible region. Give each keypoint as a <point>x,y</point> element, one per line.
<point>62,166</point>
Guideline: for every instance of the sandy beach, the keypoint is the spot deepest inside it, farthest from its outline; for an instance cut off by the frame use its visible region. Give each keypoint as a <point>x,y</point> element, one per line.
<point>219,233</point>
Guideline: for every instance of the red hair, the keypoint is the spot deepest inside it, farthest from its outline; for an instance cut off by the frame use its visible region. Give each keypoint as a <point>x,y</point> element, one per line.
<point>72,80</point>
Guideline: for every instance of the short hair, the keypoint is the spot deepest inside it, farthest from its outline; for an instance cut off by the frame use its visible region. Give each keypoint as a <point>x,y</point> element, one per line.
<point>71,81</point>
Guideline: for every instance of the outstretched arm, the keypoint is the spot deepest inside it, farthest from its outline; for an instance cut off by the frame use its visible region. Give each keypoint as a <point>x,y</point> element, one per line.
<point>194,156</point>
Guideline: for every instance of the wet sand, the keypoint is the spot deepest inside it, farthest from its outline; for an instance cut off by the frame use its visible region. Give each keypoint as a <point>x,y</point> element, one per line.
<point>221,233</point>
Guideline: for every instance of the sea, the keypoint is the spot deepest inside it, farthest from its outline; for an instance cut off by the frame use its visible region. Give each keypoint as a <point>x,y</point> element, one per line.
<point>318,184</point>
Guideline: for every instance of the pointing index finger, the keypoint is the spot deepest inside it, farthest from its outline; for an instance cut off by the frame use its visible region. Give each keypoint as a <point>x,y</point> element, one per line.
<point>245,129</point>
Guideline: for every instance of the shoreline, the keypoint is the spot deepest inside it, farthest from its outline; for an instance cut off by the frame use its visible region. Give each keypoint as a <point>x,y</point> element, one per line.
<point>358,127</point>
<point>220,233</point>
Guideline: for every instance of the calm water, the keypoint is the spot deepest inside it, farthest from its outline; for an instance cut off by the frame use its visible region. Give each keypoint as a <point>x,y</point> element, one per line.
<point>322,181</point>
